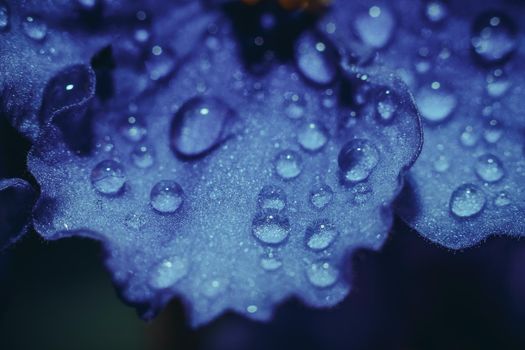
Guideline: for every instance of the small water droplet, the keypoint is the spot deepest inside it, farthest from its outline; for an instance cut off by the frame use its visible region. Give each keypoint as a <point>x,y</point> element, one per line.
<point>200,125</point>
<point>132,129</point>
<point>497,83</point>
<point>493,131</point>
<point>386,106</point>
<point>168,272</point>
<point>160,62</point>
<point>4,16</point>
<point>316,59</point>
<point>271,197</point>
<point>294,106</point>
<point>467,200</point>
<point>108,177</point>
<point>320,234</point>
<point>312,136</point>
<point>503,199</point>
<point>441,164</point>
<point>35,28</point>
<point>435,102</point>
<point>269,263</point>
<point>288,164</point>
<point>489,168</point>
<point>142,156</point>
<point>166,196</point>
<point>375,27</point>
<point>469,136</point>
<point>494,37</point>
<point>270,227</point>
<point>321,196</point>
<point>322,274</point>
<point>357,159</point>
<point>436,11</point>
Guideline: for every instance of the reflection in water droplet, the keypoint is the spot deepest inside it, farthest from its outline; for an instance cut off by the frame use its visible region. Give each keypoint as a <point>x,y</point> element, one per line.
<point>489,168</point>
<point>312,136</point>
<point>166,196</point>
<point>494,37</point>
<point>322,274</point>
<point>288,164</point>
<point>270,227</point>
<point>467,200</point>
<point>375,27</point>
<point>199,125</point>
<point>493,131</point>
<point>168,272</point>
<point>316,59</point>
<point>320,234</point>
<point>108,177</point>
<point>435,103</point>
<point>271,197</point>
<point>503,199</point>
<point>357,159</point>
<point>321,196</point>
<point>142,156</point>
<point>34,27</point>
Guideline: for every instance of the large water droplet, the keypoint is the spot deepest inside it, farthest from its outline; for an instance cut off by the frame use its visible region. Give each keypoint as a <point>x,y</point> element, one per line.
<point>142,156</point>
<point>108,177</point>
<point>200,125</point>
<point>467,200</point>
<point>288,164</point>
<point>312,136</point>
<point>322,274</point>
<point>489,168</point>
<point>320,234</point>
<point>270,227</point>
<point>357,159</point>
<point>166,196</point>
<point>4,16</point>
<point>160,62</point>
<point>316,59</point>
<point>321,196</point>
<point>271,197</point>
<point>132,129</point>
<point>435,102</point>
<point>34,27</point>
<point>168,272</point>
<point>494,37</point>
<point>386,106</point>
<point>375,27</point>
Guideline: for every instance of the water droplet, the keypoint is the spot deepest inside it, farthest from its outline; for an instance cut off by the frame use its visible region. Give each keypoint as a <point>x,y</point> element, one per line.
<point>489,168</point>
<point>436,11</point>
<point>502,200</point>
<point>357,159</point>
<point>270,263</point>
<point>469,136</point>
<point>494,37</point>
<point>34,27</point>
<point>497,83</point>
<point>435,103</point>
<point>108,177</point>
<point>320,234</point>
<point>294,106</point>
<point>160,62</point>
<point>252,309</point>
<point>142,156</point>
<point>321,196</point>
<point>4,16</point>
<point>270,227</point>
<point>386,106</point>
<point>271,197</point>
<point>168,272</point>
<point>166,196</point>
<point>288,164</point>
<point>312,136</point>
<point>493,131</point>
<point>316,59</point>
<point>132,129</point>
<point>375,27</point>
<point>441,164</point>
<point>467,200</point>
<point>200,125</point>
<point>322,274</point>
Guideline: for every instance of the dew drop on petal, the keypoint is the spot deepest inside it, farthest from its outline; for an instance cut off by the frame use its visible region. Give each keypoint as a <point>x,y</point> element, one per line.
<point>441,164</point>
<point>497,83</point>
<point>502,199</point>
<point>142,156</point>
<point>288,164</point>
<point>322,274</point>
<point>132,129</point>
<point>270,227</point>
<point>357,159</point>
<point>469,136</point>
<point>436,11</point>
<point>166,196</point>
<point>493,131</point>
<point>35,28</point>
<point>494,37</point>
<point>4,16</point>
<point>108,177</point>
<point>321,196</point>
<point>375,28</point>
<point>168,272</point>
<point>467,200</point>
<point>320,234</point>
<point>270,263</point>
<point>316,59</point>
<point>386,106</point>
<point>294,106</point>
<point>435,102</point>
<point>160,62</point>
<point>489,168</point>
<point>271,197</point>
<point>312,136</point>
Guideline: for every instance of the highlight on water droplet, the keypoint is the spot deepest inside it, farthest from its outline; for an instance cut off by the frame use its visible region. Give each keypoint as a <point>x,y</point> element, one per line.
<point>467,200</point>
<point>108,177</point>
<point>288,164</point>
<point>320,234</point>
<point>166,196</point>
<point>322,274</point>
<point>270,227</point>
<point>357,159</point>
